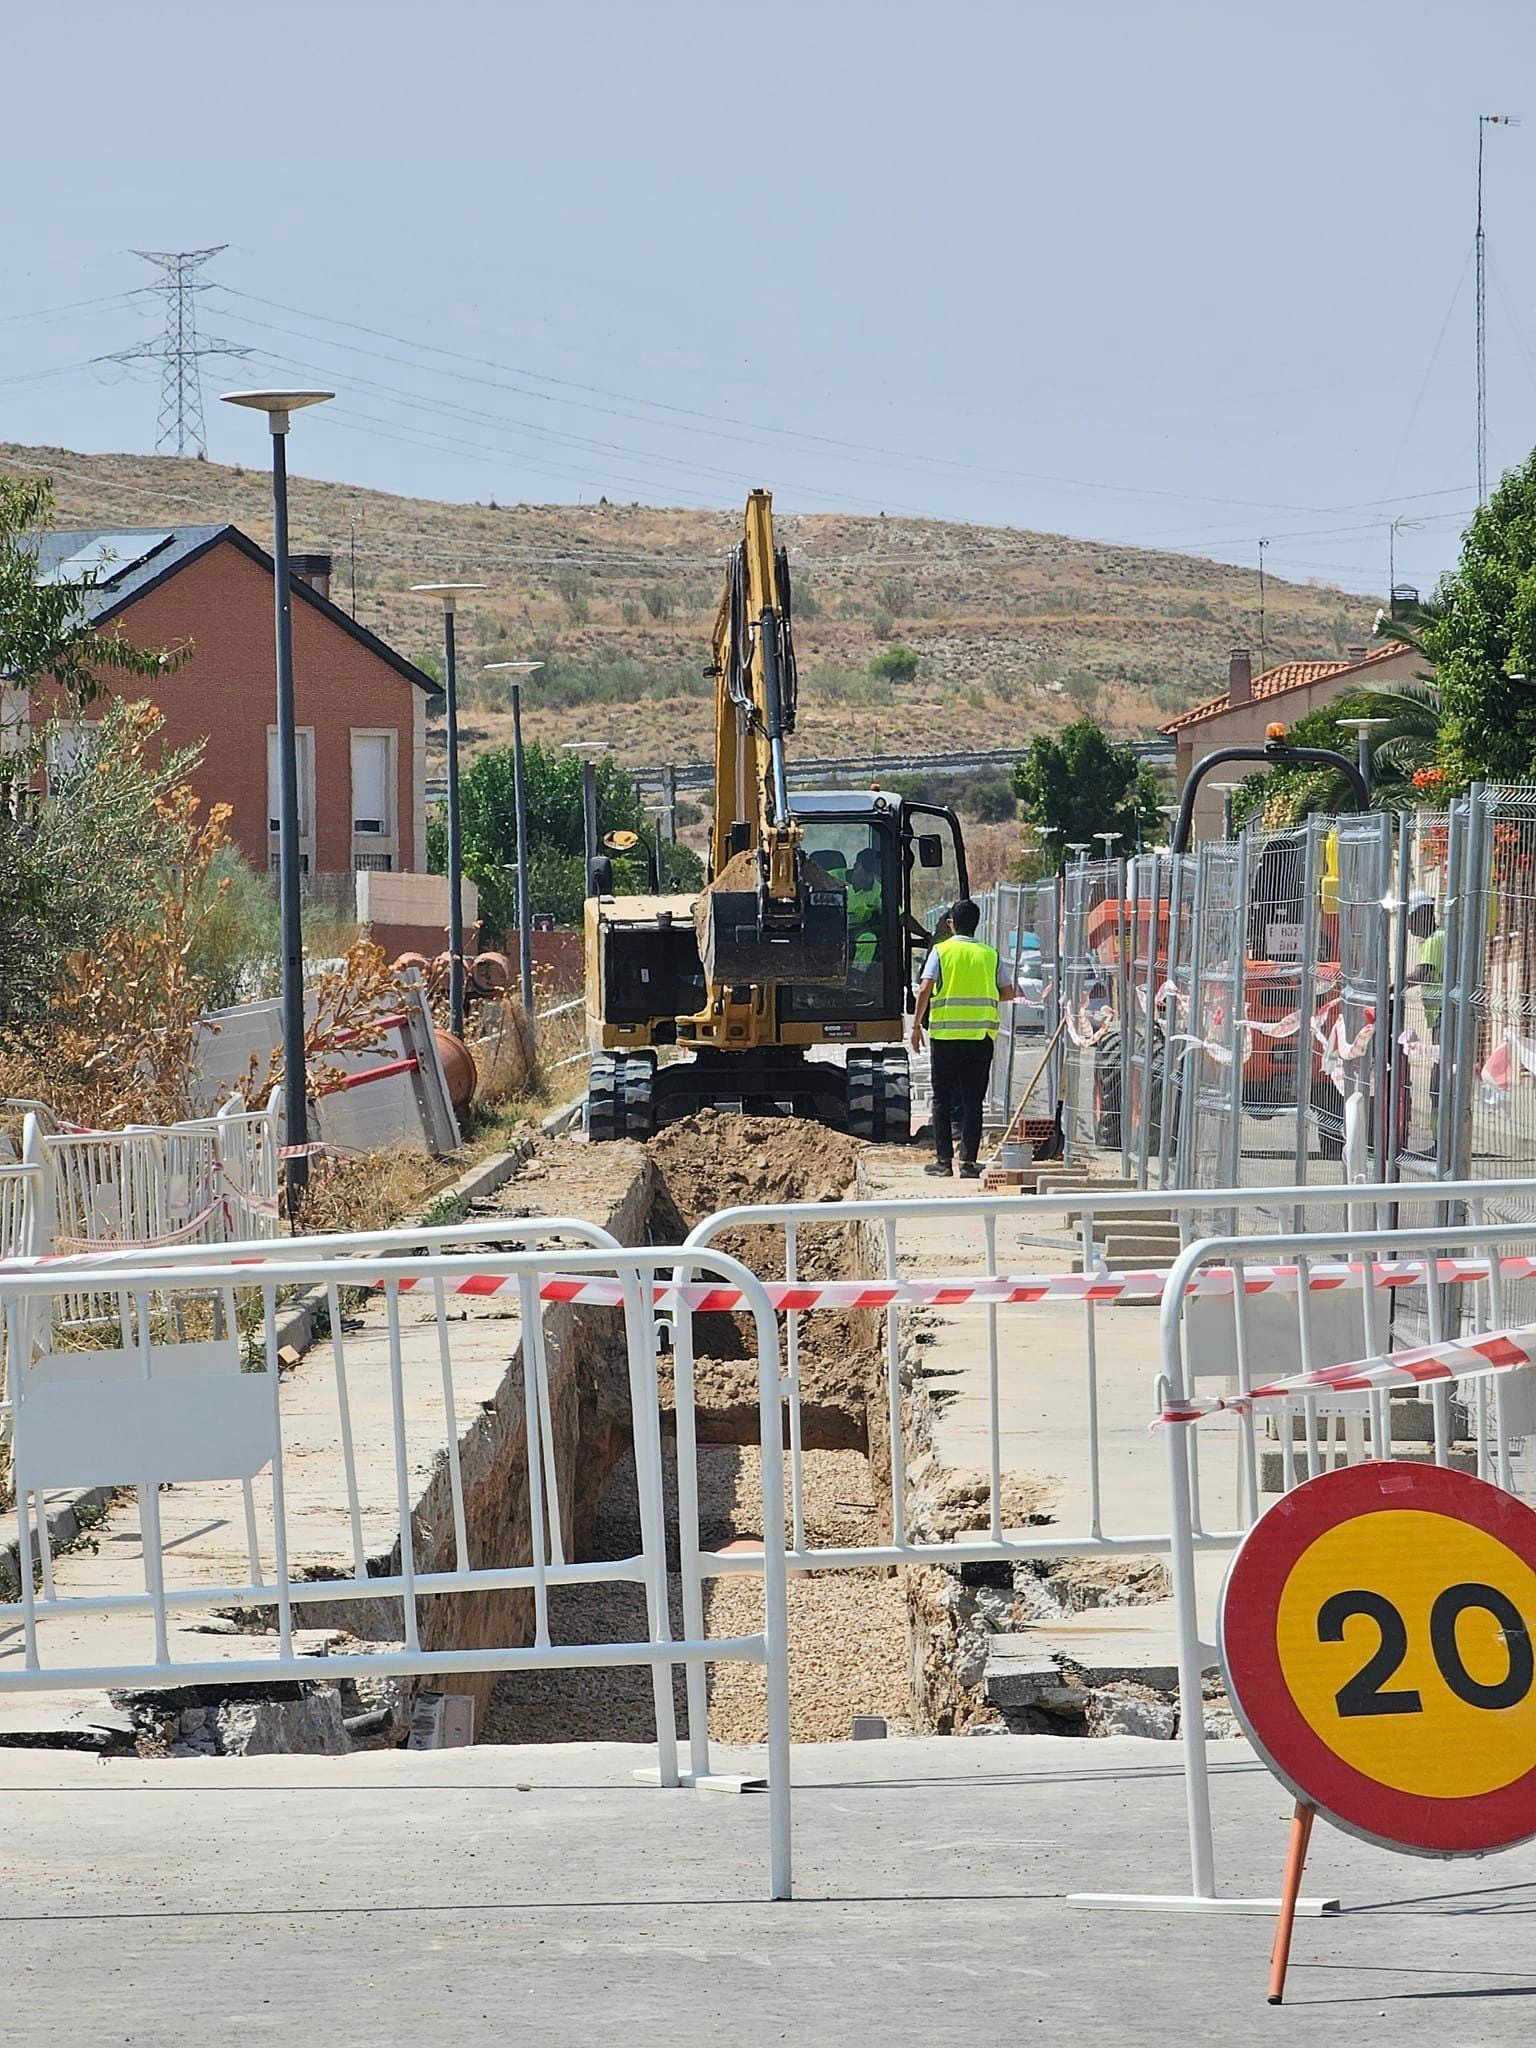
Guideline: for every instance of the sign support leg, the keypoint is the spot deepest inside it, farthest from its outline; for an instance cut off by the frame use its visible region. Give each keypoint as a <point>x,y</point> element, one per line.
<point>1295,1864</point>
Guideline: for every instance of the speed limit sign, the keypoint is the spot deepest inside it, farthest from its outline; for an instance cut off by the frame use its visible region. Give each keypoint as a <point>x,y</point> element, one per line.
<point>1376,1639</point>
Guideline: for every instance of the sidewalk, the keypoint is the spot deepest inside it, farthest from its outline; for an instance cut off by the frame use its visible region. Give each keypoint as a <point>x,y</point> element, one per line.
<point>1043,1377</point>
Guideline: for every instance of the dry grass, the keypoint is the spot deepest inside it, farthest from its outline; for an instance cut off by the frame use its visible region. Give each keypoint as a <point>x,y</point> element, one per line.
<point>373,1191</point>
<point>1001,619</point>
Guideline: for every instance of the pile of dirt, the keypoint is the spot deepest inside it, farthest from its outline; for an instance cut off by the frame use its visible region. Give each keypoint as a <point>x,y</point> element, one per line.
<point>715,1161</point>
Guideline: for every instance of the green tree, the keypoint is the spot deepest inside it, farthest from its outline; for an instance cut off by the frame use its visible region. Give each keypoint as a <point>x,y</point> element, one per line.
<point>896,664</point>
<point>1079,782</point>
<point>1480,633</point>
<point>555,834</point>
<point>74,860</point>
<point>81,860</point>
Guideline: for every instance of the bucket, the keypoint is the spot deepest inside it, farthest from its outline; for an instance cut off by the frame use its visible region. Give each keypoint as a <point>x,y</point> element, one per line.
<point>1015,1155</point>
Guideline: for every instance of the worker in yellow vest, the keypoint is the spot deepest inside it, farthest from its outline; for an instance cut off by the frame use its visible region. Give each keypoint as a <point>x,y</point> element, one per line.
<point>962,983</point>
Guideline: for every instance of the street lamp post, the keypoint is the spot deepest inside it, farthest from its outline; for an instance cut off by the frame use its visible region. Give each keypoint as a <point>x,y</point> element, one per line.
<point>450,593</point>
<point>278,407</point>
<point>1226,791</point>
<point>1362,728</point>
<point>516,669</point>
<point>586,749</point>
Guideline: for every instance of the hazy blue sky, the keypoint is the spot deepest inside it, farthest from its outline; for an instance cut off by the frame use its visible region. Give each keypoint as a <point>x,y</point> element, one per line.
<point>1177,273</point>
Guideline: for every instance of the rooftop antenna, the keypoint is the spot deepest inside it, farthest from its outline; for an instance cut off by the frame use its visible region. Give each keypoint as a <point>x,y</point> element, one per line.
<point>1484,121</point>
<point>180,423</point>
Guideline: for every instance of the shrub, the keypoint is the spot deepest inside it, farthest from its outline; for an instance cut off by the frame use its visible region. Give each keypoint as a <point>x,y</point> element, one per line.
<point>572,584</point>
<point>896,664</point>
<point>659,601</point>
<point>895,594</point>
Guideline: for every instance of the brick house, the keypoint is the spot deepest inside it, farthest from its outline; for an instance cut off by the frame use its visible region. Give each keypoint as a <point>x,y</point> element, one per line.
<point>1283,694</point>
<point>361,707</point>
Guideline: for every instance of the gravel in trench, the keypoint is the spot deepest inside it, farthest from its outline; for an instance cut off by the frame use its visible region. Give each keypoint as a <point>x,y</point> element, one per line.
<point>847,1630</point>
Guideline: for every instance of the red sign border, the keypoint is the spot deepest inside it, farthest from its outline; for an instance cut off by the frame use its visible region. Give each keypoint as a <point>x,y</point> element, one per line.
<point>1250,1662</point>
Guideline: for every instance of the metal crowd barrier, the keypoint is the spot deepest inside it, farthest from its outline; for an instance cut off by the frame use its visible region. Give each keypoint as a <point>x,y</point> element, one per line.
<point>1466,1275</point>
<point>156,1411</point>
<point>890,1228</point>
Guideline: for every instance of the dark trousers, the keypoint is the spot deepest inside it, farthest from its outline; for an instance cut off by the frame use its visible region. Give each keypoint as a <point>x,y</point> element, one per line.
<point>960,1067</point>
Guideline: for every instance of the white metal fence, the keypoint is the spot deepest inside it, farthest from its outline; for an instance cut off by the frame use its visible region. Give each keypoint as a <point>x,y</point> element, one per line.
<point>1366,1389</point>
<point>155,1411</point>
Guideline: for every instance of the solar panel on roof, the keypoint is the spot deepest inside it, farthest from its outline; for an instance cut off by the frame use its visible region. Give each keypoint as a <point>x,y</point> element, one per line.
<point>107,557</point>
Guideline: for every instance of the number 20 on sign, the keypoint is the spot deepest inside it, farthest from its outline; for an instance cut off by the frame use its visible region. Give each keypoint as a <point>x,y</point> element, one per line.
<point>1376,1636</point>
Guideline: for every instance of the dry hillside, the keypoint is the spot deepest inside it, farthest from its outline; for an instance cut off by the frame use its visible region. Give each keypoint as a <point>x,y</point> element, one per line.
<point>1015,631</point>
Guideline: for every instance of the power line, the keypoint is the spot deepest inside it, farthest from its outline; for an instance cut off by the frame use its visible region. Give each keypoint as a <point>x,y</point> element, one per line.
<point>178,350</point>
<point>744,431</point>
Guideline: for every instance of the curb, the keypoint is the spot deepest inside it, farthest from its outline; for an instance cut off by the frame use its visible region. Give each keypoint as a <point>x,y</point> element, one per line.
<point>64,1526</point>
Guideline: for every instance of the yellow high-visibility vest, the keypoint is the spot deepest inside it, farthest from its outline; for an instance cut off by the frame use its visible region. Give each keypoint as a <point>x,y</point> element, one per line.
<point>964,1005</point>
<point>864,907</point>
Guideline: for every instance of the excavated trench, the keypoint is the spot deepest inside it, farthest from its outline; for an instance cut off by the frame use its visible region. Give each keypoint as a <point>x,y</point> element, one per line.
<point>849,1641</point>
<point>910,1646</point>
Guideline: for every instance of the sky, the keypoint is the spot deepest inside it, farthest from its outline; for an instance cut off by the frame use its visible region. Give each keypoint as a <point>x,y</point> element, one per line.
<point>1188,275</point>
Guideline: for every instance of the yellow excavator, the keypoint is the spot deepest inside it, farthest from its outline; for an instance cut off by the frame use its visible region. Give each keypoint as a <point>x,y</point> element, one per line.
<point>786,981</point>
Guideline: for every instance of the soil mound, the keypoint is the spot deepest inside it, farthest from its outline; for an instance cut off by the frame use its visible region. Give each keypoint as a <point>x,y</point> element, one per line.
<point>715,1160</point>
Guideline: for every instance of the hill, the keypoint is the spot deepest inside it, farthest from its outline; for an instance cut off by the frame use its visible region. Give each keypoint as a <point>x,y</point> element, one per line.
<point>1015,632</point>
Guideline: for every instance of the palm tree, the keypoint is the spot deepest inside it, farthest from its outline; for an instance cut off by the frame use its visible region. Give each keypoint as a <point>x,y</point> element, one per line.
<point>1409,740</point>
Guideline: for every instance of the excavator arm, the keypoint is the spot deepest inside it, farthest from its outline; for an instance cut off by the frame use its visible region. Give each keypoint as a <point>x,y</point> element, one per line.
<point>769,914</point>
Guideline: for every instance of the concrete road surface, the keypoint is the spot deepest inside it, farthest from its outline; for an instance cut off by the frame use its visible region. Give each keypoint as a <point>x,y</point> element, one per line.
<point>538,1895</point>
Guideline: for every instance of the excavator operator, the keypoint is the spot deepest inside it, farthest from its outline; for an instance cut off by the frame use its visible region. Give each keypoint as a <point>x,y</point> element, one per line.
<point>866,903</point>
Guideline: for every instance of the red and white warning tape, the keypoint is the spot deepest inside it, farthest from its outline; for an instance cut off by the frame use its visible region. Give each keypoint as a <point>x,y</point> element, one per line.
<point>1003,1290</point>
<point>1466,1358</point>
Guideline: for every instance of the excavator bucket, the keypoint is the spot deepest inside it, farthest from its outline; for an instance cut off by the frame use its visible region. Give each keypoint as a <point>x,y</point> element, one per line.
<point>746,937</point>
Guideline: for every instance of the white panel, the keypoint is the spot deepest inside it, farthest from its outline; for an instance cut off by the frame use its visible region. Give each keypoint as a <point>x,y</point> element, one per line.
<point>167,1361</point>
<point>144,1432</point>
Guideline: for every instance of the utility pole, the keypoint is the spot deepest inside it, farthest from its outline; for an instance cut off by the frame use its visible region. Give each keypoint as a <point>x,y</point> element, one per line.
<point>1483,121</point>
<point>179,425</point>
<point>1263,652</point>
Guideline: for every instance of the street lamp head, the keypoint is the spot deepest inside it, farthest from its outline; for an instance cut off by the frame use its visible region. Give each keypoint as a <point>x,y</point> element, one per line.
<point>277,405</point>
<point>448,592</point>
<point>501,668</point>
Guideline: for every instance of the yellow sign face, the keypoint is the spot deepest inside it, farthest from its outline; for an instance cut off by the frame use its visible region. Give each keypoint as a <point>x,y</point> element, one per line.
<point>1377,1630</point>
<point>1411,1726</point>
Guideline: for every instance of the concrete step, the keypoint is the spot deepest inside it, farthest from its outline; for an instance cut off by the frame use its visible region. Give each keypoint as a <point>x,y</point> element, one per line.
<point>1463,1458</point>
<point>1105,1644</point>
<point>1413,1421</point>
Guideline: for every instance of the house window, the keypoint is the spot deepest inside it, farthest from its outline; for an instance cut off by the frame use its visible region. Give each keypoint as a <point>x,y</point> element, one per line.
<point>373,806</point>
<point>69,748</point>
<point>305,755</point>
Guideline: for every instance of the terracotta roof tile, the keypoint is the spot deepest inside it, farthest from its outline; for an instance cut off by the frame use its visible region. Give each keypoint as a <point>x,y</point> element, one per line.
<point>1275,682</point>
